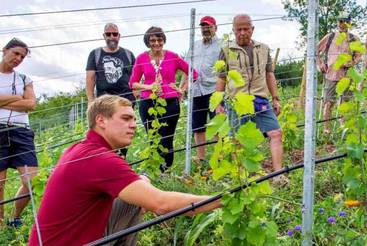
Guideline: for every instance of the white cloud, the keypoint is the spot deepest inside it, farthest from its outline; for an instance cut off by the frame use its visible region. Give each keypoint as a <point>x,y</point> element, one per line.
<point>277,3</point>
<point>282,36</point>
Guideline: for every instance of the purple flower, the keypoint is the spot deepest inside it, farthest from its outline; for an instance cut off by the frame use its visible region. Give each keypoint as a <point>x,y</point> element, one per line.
<point>290,232</point>
<point>321,210</point>
<point>298,227</point>
<point>342,214</point>
<point>331,220</point>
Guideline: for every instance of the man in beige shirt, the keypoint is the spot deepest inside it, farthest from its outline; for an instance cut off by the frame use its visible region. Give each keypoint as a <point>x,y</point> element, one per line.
<point>254,64</point>
<point>331,50</point>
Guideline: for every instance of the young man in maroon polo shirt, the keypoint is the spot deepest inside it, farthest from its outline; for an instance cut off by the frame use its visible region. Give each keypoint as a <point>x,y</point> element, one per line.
<point>79,195</point>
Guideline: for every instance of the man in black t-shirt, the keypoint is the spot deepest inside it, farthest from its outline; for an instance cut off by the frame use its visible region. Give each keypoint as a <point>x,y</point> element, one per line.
<point>109,68</point>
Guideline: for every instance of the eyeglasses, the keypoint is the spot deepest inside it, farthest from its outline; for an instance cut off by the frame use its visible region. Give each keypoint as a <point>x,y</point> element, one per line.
<point>109,34</point>
<point>344,20</point>
<point>153,40</point>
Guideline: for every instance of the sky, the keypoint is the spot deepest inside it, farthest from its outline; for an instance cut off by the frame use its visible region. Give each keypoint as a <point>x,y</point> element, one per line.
<point>61,68</point>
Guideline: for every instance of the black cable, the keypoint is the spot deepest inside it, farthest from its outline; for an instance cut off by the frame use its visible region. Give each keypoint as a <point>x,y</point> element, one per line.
<point>194,206</point>
<point>331,119</point>
<point>202,203</point>
<point>14,199</point>
<point>103,8</point>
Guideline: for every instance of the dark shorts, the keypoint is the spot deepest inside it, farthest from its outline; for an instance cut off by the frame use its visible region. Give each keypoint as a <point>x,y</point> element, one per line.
<point>200,112</point>
<point>16,147</point>
<point>330,92</point>
<point>266,121</point>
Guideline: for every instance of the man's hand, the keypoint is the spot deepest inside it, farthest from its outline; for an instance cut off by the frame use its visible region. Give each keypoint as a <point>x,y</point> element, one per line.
<point>276,106</point>
<point>323,68</point>
<point>219,109</point>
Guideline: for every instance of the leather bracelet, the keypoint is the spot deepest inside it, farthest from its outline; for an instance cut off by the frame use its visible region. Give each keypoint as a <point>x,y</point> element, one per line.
<point>275,98</point>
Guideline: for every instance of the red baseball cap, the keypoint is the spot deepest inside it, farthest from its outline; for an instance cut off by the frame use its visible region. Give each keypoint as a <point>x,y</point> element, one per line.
<point>208,20</point>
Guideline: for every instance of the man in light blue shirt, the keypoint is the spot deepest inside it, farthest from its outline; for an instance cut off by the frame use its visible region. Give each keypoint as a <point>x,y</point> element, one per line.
<point>206,53</point>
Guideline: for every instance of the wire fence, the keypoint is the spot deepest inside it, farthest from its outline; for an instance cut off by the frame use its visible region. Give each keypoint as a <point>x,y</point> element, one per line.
<point>62,143</point>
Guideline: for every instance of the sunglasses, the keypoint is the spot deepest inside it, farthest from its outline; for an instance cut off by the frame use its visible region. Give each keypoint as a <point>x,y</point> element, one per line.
<point>110,34</point>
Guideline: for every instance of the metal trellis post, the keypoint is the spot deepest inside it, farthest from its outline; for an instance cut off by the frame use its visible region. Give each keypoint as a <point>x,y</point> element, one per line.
<point>82,110</point>
<point>310,122</point>
<point>189,94</point>
<point>33,205</point>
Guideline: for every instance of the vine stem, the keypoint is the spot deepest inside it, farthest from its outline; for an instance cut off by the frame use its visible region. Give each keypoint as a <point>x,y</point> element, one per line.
<point>281,199</point>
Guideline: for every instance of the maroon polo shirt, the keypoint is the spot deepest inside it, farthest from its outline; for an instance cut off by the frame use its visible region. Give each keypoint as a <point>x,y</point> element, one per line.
<point>79,194</point>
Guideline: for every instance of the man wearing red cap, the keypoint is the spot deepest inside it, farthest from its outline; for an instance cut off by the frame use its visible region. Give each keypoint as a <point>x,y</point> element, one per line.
<point>206,53</point>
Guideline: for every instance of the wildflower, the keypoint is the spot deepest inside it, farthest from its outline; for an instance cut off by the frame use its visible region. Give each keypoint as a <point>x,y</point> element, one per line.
<point>353,203</point>
<point>342,214</point>
<point>290,232</point>
<point>331,220</point>
<point>321,210</point>
<point>298,227</point>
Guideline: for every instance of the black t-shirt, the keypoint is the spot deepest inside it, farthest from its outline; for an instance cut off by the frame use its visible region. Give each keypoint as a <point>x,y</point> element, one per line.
<point>113,71</point>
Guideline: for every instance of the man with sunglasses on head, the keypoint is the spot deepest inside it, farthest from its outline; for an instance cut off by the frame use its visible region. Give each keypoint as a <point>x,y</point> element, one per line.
<point>109,69</point>
<point>329,48</point>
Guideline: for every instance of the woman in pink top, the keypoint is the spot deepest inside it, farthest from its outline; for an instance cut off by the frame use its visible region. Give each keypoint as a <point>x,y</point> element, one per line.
<point>159,67</point>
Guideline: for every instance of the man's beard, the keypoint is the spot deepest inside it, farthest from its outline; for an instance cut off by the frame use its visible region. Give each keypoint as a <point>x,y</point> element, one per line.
<point>207,36</point>
<point>112,44</point>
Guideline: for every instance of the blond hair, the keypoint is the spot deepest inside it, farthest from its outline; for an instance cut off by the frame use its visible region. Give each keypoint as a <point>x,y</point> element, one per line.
<point>105,106</point>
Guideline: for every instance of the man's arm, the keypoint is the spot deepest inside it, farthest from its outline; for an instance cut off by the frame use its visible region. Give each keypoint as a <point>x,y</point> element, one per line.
<point>90,83</point>
<point>6,99</point>
<point>145,195</point>
<point>357,57</point>
<point>321,47</point>
<point>27,103</point>
<point>272,87</point>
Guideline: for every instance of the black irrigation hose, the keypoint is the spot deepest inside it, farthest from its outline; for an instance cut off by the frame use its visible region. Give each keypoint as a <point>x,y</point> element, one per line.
<point>172,151</point>
<point>194,206</point>
<point>331,119</point>
<point>14,199</point>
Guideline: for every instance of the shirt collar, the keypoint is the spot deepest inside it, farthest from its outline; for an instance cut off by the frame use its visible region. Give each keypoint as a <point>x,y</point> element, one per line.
<point>233,44</point>
<point>93,136</point>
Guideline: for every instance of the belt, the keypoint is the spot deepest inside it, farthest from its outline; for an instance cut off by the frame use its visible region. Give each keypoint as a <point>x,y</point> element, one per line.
<point>12,124</point>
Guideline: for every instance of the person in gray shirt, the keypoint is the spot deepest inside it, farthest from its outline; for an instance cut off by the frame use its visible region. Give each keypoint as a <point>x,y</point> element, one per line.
<point>206,53</point>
